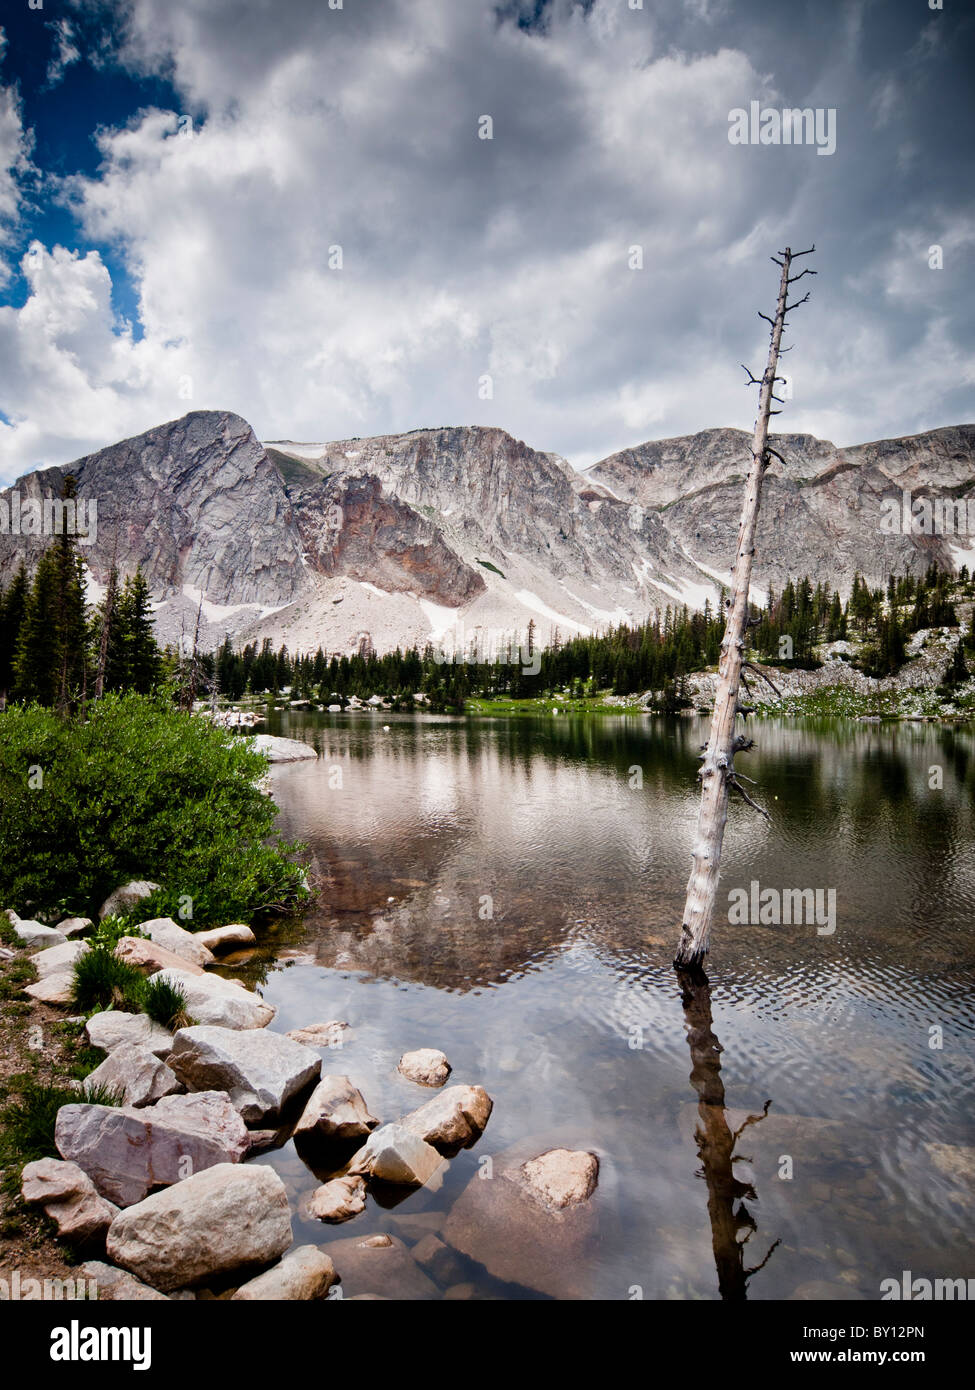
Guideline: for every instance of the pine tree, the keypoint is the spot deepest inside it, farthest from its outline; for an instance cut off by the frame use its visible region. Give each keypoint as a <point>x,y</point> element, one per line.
<point>13,601</point>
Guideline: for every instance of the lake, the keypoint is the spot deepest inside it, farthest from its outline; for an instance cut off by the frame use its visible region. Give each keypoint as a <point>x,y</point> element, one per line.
<point>510,891</point>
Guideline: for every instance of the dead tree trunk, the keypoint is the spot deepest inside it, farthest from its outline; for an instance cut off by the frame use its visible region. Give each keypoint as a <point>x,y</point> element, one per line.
<point>718,771</point>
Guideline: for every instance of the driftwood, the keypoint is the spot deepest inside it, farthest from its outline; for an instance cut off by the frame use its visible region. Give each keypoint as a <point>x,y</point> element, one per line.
<point>717,772</point>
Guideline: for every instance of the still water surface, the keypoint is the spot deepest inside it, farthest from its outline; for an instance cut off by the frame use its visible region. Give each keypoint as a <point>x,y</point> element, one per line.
<point>565,1007</point>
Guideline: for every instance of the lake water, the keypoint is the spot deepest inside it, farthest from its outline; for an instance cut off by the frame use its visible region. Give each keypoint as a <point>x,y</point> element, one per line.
<point>564,1004</point>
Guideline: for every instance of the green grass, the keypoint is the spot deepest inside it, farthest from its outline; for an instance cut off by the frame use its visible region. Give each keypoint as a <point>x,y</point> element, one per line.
<point>493,568</point>
<point>102,981</point>
<point>165,1003</point>
<point>17,973</point>
<point>27,1121</point>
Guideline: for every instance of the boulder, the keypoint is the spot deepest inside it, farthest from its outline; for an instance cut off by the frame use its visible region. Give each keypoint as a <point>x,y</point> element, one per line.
<point>395,1154</point>
<point>150,957</point>
<point>182,943</point>
<point>53,989</point>
<point>228,1218</point>
<point>76,926</point>
<point>137,1073</point>
<point>453,1119</point>
<point>439,1261</point>
<point>58,960</point>
<point>223,1003</point>
<point>118,1284</point>
<point>260,1071</point>
<point>36,935</point>
<point>535,1222</point>
<point>335,1112</point>
<point>113,1027</point>
<point>128,1151</point>
<point>426,1066</point>
<point>305,1273</point>
<point>380,1266</point>
<point>282,750</point>
<point>69,1198</point>
<point>335,1201</point>
<point>321,1034</point>
<point>130,895</point>
<point>222,939</point>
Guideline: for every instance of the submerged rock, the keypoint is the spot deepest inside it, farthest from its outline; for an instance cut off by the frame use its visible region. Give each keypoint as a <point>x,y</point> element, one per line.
<point>320,1034</point>
<point>260,1071</point>
<point>137,1073</point>
<point>454,1119</point>
<point>305,1273</point>
<point>127,1151</point>
<point>224,1219</point>
<point>69,1198</point>
<point>335,1111</point>
<point>426,1066</point>
<point>385,1270</point>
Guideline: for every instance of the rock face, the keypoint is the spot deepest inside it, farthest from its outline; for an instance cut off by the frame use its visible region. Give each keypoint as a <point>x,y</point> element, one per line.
<point>379,1265</point>
<point>335,1201</point>
<point>305,1273</point>
<point>426,1066</point>
<point>454,1119</point>
<point>230,938</point>
<point>335,1111</point>
<point>113,1027</point>
<point>137,1073</point>
<point>126,897</point>
<point>176,939</point>
<point>224,1219</point>
<point>210,999</point>
<point>150,958</point>
<point>535,1222</point>
<point>127,1151</point>
<point>260,1071</point>
<point>394,1154</point>
<point>69,1197</point>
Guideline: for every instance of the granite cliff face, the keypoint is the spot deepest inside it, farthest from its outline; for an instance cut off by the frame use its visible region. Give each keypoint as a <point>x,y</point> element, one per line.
<point>464,535</point>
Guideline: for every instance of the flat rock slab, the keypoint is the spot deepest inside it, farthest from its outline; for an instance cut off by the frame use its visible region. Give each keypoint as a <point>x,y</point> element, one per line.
<point>169,934</point>
<point>381,1266</point>
<point>426,1066</point>
<point>304,1273</point>
<point>210,999</point>
<point>113,1027</point>
<point>127,1151</point>
<point>260,1071</point>
<point>282,750</point>
<point>58,960</point>
<point>126,897</point>
<point>35,934</point>
<point>394,1154</point>
<point>335,1112</point>
<point>53,989</point>
<point>335,1201</point>
<point>150,957</point>
<point>227,1218</point>
<point>69,1198</point>
<point>535,1222</point>
<point>454,1119</point>
<point>332,1034</point>
<point>137,1074</point>
<point>230,938</point>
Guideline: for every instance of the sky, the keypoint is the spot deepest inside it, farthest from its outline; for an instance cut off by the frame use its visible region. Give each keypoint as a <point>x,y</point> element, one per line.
<point>289,209</point>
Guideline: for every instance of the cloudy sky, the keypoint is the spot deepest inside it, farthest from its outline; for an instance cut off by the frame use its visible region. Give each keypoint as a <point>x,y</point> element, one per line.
<point>177,175</point>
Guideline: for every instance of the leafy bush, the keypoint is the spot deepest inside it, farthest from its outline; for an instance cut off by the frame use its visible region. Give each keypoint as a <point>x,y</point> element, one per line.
<point>139,790</point>
<point>165,1003</point>
<point>102,981</point>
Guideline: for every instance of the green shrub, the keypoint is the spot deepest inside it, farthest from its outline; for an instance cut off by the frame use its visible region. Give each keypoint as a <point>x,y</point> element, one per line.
<point>139,790</point>
<point>165,1003</point>
<point>102,981</point>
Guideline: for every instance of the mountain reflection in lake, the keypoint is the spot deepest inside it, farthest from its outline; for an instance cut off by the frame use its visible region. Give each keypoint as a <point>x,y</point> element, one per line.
<point>564,1005</point>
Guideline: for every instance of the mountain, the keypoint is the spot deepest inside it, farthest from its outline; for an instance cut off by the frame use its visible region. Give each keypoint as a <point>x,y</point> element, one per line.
<point>464,534</point>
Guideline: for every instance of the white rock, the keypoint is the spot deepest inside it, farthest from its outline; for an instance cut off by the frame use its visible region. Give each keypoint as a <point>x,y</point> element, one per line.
<point>76,926</point>
<point>35,934</point>
<point>338,1200</point>
<point>69,1197</point>
<point>426,1066</point>
<point>230,938</point>
<point>304,1273</point>
<point>454,1118</point>
<point>150,957</point>
<point>119,1284</point>
<point>137,1074</point>
<point>127,1151</point>
<point>394,1154</point>
<point>282,750</point>
<point>113,1027</point>
<point>129,895</point>
<point>260,1071</point>
<point>224,1219</point>
<point>335,1111</point>
<point>224,1003</point>
<point>165,932</point>
<point>58,960</point>
<point>53,989</point>
<point>330,1034</point>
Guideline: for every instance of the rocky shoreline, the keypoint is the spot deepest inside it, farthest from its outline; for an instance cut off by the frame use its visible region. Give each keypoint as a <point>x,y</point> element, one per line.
<point>157,1191</point>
